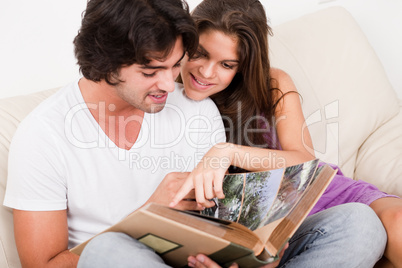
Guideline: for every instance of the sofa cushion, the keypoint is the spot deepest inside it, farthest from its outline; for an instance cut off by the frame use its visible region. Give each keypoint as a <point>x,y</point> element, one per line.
<point>345,92</point>
<point>12,111</point>
<point>380,157</point>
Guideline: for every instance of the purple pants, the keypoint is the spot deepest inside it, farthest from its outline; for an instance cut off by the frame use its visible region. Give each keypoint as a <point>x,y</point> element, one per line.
<point>346,190</point>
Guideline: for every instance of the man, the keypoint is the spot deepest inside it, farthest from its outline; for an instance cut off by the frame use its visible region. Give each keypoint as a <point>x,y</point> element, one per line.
<point>105,145</point>
<point>100,147</point>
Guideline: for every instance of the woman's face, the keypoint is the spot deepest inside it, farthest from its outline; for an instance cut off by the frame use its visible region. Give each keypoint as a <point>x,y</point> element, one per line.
<point>213,66</point>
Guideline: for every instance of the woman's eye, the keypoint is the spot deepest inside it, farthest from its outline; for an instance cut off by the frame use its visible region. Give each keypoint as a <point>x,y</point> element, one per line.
<point>227,66</point>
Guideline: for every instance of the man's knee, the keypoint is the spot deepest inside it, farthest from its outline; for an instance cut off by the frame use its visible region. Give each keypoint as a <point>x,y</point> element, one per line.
<point>111,248</point>
<point>108,240</point>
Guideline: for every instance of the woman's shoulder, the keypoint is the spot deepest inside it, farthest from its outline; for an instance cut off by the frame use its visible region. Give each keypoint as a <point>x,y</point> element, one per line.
<point>277,73</point>
<point>281,80</point>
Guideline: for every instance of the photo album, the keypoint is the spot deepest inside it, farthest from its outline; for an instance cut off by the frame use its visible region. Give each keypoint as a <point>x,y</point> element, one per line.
<point>250,226</point>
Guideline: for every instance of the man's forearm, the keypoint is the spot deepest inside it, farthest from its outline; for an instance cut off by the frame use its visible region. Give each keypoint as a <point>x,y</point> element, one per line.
<point>64,259</point>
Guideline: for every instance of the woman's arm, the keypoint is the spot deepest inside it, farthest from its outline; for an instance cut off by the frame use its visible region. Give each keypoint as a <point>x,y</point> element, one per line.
<point>291,128</point>
<point>293,136</point>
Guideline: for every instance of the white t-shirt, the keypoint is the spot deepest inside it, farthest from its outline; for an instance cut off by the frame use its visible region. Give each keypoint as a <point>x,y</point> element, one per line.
<point>60,158</point>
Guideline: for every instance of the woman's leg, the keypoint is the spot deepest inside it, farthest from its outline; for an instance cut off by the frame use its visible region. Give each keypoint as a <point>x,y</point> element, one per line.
<point>389,210</point>
<point>348,235</point>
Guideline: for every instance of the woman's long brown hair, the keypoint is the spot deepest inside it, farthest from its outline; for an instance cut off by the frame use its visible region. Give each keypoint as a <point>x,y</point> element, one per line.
<point>247,105</point>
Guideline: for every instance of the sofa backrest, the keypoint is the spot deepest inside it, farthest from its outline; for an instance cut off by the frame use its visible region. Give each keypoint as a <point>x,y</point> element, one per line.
<point>345,91</point>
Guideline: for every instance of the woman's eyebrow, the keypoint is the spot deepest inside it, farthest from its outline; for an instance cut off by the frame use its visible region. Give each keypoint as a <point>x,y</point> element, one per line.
<point>235,61</point>
<point>204,51</point>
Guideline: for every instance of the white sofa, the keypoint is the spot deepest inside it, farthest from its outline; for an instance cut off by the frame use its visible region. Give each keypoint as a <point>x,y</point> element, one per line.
<point>351,109</point>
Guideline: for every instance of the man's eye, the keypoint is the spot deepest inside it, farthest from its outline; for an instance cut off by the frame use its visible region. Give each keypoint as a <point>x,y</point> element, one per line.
<point>177,65</point>
<point>148,75</point>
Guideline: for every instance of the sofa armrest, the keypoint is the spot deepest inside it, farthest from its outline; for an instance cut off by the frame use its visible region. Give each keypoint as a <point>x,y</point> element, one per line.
<point>12,111</point>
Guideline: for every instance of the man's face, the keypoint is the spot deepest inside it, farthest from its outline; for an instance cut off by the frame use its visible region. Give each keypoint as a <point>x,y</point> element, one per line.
<point>146,87</point>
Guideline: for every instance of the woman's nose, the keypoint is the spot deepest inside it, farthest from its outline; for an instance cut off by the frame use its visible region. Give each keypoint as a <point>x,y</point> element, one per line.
<point>207,70</point>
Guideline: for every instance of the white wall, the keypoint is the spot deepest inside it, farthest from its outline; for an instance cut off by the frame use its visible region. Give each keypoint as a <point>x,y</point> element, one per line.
<point>36,50</point>
<point>381,20</point>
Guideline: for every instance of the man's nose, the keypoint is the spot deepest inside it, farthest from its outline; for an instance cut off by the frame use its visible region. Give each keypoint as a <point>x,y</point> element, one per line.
<point>167,81</point>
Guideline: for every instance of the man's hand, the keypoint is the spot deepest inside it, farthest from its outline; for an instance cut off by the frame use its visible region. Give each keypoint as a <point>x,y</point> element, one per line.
<point>169,187</point>
<point>202,261</point>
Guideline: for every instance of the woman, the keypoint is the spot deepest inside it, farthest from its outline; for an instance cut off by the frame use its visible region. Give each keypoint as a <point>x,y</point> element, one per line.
<point>232,67</point>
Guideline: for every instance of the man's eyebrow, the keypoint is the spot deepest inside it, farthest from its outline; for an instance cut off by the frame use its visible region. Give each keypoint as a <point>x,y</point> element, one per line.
<point>182,56</point>
<point>150,67</point>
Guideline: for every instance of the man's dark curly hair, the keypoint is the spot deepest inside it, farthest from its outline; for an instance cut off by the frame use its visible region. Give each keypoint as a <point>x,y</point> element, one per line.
<point>118,33</point>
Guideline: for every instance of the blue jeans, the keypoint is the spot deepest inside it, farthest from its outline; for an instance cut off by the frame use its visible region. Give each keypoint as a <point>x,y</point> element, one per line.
<point>349,235</point>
